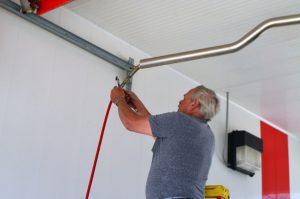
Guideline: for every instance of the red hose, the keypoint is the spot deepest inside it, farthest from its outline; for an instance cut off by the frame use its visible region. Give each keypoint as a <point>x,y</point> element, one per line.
<point>97,152</point>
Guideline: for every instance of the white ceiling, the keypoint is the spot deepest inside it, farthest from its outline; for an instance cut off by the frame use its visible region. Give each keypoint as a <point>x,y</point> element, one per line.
<point>264,77</point>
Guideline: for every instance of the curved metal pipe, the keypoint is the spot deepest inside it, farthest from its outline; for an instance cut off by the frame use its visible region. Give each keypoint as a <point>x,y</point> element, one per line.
<point>217,50</point>
<point>223,49</point>
<point>134,70</point>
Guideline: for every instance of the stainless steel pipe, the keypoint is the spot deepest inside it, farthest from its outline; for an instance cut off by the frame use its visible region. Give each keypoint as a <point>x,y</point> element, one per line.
<point>217,50</point>
<point>130,75</point>
<point>223,49</point>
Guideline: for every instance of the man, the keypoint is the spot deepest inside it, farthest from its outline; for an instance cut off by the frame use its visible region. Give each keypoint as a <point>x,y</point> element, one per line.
<point>184,143</point>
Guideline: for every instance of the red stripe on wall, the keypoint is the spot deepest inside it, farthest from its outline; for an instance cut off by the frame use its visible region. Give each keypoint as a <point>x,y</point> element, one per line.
<point>275,163</point>
<point>47,5</point>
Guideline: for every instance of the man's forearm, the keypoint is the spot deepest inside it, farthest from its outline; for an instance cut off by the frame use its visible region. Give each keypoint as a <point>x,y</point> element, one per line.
<point>132,119</point>
<point>141,109</point>
<point>127,115</point>
<point>132,112</point>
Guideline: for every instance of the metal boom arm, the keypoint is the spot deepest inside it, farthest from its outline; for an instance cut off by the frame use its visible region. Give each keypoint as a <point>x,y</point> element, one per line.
<point>217,50</point>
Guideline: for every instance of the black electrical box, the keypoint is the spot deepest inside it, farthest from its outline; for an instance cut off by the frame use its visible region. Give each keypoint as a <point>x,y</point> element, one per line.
<point>241,138</point>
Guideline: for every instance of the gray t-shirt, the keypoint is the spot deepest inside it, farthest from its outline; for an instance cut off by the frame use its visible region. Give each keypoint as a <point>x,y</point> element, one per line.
<point>182,155</point>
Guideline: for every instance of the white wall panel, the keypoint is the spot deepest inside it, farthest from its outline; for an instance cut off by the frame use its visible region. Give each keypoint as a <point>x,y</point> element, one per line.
<point>53,98</point>
<point>236,182</point>
<point>294,148</point>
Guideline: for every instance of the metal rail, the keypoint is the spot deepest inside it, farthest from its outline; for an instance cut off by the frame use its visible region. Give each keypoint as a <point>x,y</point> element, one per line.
<point>66,35</point>
<point>217,50</point>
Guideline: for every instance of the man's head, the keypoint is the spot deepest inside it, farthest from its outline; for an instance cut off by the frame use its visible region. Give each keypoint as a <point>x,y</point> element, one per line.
<point>200,102</point>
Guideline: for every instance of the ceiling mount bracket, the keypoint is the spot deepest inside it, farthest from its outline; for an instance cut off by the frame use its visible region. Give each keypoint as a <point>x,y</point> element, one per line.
<point>129,83</point>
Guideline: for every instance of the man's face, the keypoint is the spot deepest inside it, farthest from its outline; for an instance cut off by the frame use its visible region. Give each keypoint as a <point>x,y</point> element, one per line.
<point>184,104</point>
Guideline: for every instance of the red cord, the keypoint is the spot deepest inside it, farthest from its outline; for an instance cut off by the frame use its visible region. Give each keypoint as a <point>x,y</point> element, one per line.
<point>98,150</point>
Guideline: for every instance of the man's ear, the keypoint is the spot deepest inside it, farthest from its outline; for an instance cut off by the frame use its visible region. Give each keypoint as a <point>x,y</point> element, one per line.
<point>195,104</point>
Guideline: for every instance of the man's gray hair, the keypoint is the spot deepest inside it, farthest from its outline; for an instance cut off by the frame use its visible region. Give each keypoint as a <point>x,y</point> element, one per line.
<point>209,101</point>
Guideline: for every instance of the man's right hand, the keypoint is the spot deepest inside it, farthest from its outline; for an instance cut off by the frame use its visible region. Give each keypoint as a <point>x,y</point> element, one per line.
<point>131,99</point>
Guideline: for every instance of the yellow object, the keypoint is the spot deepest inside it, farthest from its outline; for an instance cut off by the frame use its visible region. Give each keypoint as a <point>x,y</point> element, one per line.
<point>216,191</point>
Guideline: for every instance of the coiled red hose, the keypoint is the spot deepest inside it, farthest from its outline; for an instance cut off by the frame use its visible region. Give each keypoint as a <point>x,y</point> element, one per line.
<point>97,152</point>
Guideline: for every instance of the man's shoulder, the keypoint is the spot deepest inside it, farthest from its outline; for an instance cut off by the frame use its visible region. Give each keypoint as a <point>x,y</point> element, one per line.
<point>177,116</point>
<point>166,115</point>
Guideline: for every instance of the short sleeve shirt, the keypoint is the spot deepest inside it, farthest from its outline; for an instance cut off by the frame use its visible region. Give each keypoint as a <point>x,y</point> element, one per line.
<point>182,155</point>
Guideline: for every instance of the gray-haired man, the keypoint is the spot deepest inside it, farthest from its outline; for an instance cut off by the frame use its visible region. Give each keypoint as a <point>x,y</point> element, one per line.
<point>184,142</point>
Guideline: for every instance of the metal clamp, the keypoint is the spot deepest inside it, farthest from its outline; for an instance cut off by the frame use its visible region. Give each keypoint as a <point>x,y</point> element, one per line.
<point>128,80</point>
<point>130,75</point>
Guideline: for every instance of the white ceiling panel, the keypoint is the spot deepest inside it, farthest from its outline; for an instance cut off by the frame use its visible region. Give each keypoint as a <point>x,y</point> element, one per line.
<point>264,77</point>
